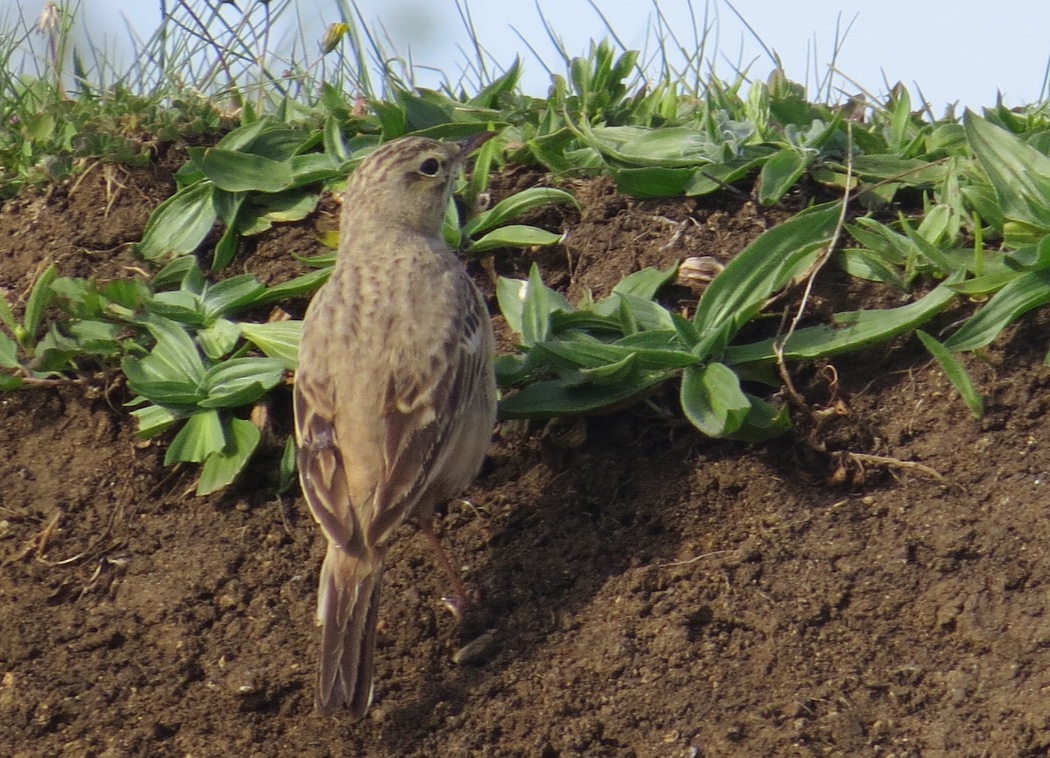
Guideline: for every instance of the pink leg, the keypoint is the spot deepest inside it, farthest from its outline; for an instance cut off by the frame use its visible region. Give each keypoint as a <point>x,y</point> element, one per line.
<point>462,599</point>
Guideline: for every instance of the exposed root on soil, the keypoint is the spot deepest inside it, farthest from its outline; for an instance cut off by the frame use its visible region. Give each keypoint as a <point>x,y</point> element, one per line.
<point>860,459</point>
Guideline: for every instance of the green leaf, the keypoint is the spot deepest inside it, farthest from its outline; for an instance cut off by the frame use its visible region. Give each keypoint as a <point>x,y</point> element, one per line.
<point>154,419</point>
<point>297,287</point>
<point>235,171</point>
<point>764,421</point>
<point>8,352</point>
<point>221,468</point>
<point>179,225</point>
<point>181,305</point>
<point>738,293</point>
<point>240,381</point>
<point>955,372</point>
<point>1019,174</point>
<point>645,283</point>
<point>510,295</point>
<point>6,317</point>
<point>174,357</point>
<point>712,399</point>
<point>243,136</point>
<point>654,181</point>
<point>231,295</point>
<point>312,168</point>
<point>514,236</point>
<point>561,397</point>
<point>38,300</point>
<point>219,339</point>
<point>849,331</point>
<point>540,301</point>
<point>780,173</point>
<point>514,206</point>
<point>201,436</point>
<point>277,339</point>
<point>1029,290</point>
<point>286,468</point>
<point>8,382</point>
<point>594,354</point>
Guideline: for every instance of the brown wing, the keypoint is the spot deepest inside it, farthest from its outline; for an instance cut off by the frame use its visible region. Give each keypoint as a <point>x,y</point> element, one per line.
<point>320,461</point>
<point>424,410</point>
<point>421,407</point>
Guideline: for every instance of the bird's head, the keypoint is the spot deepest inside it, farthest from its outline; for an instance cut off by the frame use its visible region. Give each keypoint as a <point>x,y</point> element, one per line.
<point>408,182</point>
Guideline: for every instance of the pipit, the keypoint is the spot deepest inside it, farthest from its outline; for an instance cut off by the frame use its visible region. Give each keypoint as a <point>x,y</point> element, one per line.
<point>395,396</point>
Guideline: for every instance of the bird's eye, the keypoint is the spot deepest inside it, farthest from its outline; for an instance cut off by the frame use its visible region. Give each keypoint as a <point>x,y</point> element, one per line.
<point>429,167</point>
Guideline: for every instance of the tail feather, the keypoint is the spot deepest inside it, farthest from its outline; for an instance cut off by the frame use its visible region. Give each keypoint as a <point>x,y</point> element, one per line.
<point>347,610</point>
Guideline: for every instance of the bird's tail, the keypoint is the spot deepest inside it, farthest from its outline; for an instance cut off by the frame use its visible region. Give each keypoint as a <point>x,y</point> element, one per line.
<point>347,610</point>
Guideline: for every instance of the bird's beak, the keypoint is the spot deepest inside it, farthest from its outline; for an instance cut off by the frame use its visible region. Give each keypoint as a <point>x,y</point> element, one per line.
<point>469,144</point>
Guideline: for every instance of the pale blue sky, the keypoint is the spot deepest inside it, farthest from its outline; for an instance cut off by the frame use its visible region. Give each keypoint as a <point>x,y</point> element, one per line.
<point>954,51</point>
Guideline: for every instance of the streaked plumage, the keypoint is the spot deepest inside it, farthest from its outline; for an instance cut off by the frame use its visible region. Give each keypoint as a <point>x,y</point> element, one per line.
<point>394,396</point>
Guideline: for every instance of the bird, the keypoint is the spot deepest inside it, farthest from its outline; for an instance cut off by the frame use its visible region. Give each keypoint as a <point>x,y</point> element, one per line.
<point>394,395</point>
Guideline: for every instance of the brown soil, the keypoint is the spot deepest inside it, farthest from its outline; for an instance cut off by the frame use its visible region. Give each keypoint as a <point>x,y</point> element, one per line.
<point>650,593</point>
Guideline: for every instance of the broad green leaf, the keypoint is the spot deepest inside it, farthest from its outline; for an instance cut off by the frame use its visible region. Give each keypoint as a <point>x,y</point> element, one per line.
<point>286,468</point>
<point>1029,290</point>
<point>243,136</point>
<point>619,372</point>
<point>655,181</point>
<point>712,399</point>
<point>1019,174</point>
<point>634,312</point>
<point>200,436</point>
<point>154,419</point>
<point>8,382</point>
<point>297,287</point>
<point>450,229</point>
<point>514,206</point>
<point>277,339</point>
<point>240,381</point>
<point>590,354</point>
<point>97,337</point>
<point>312,168</point>
<point>235,171</point>
<point>780,173</point>
<point>219,339</point>
<point>764,267</point>
<point>510,295</point>
<point>38,300</point>
<point>763,421</point>
<point>987,284</point>
<point>490,95</point>
<point>909,171</point>
<point>182,272</point>
<point>539,303</point>
<point>6,317</point>
<point>286,206</point>
<point>221,468</point>
<point>867,264</point>
<point>40,127</point>
<point>955,372</point>
<point>849,331</point>
<point>226,247</point>
<point>168,392</point>
<point>179,305</point>
<point>179,225</point>
<point>514,235</point>
<point>645,283</point>
<point>8,352</point>
<point>175,356</point>
<point>231,295</point>
<point>560,397</point>
<point>718,176</point>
